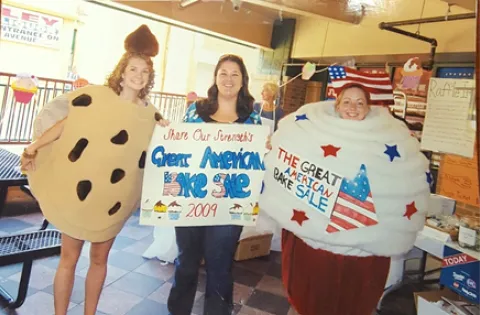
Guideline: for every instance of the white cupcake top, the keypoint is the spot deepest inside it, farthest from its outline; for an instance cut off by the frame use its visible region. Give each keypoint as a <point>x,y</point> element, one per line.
<point>356,187</point>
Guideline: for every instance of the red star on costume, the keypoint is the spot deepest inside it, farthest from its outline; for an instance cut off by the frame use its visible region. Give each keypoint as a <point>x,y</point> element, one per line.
<point>411,210</point>
<point>299,217</point>
<point>330,150</point>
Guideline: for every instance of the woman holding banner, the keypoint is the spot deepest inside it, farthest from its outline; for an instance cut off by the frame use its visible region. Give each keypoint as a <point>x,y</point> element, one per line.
<point>229,101</point>
<point>357,195</point>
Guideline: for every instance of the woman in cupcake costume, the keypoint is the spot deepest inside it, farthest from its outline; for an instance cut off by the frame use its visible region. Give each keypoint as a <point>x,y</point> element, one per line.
<point>96,137</point>
<point>349,186</point>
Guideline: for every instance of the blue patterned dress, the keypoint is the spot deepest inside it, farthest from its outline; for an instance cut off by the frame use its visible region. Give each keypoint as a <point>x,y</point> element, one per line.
<point>191,116</point>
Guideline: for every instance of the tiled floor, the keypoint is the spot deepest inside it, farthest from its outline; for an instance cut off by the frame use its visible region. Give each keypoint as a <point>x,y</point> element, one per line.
<point>137,286</point>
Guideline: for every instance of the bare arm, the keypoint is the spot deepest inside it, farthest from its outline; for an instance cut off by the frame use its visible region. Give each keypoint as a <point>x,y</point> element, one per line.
<point>47,137</point>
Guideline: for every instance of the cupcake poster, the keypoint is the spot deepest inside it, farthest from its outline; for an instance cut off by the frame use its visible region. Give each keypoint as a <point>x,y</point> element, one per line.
<point>410,83</point>
<point>24,87</point>
<point>203,174</point>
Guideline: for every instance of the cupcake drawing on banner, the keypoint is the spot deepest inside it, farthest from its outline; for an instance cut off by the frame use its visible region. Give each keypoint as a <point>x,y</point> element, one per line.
<point>411,74</point>
<point>24,87</point>
<point>255,211</point>
<point>160,208</point>
<point>174,210</point>
<point>146,209</point>
<point>249,216</point>
<point>236,211</point>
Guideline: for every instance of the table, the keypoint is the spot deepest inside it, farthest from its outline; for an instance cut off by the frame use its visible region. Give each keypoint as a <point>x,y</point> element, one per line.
<point>10,174</point>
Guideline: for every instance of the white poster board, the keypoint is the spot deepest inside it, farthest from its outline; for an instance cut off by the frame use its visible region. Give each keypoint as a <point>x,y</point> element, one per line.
<point>203,175</point>
<point>30,27</point>
<point>447,124</point>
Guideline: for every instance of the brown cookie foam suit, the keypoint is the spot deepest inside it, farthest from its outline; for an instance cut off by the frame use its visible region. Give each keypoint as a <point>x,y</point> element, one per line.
<point>88,182</point>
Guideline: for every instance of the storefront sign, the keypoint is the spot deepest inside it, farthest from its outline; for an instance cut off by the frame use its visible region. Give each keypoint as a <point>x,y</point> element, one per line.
<point>29,27</point>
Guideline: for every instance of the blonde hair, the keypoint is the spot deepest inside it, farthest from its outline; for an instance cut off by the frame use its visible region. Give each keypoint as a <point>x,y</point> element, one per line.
<point>272,87</point>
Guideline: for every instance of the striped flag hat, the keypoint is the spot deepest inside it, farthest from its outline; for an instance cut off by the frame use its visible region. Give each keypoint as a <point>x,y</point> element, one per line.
<point>378,85</point>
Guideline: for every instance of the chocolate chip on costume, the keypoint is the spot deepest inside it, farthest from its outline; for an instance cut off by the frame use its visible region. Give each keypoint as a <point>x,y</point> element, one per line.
<point>82,100</point>
<point>115,208</point>
<point>117,175</point>
<point>83,189</point>
<point>77,151</point>
<point>120,138</point>
<point>158,117</point>
<point>141,162</point>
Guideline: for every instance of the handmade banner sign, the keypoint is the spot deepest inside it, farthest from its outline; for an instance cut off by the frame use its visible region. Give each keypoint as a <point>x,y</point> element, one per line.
<point>355,188</point>
<point>203,174</point>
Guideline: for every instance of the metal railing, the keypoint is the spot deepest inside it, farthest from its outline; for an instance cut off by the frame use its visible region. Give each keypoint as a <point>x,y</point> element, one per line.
<point>16,119</point>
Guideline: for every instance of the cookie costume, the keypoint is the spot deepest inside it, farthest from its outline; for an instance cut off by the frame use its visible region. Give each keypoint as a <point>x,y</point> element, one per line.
<point>88,182</point>
<point>337,263</point>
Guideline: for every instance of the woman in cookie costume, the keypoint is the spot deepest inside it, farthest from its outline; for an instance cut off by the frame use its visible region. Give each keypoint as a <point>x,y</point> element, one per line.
<point>229,101</point>
<point>85,165</point>
<point>348,184</point>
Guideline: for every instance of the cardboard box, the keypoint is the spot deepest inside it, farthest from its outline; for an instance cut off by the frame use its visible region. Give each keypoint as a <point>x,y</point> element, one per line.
<point>426,301</point>
<point>253,247</point>
<point>461,273</point>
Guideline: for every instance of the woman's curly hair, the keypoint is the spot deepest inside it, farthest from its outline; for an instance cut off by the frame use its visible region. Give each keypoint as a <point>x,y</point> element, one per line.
<point>115,79</point>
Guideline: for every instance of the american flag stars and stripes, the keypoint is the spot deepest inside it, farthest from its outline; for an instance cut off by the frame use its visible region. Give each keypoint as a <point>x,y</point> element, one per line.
<point>354,207</point>
<point>171,187</point>
<point>377,84</point>
<point>219,179</point>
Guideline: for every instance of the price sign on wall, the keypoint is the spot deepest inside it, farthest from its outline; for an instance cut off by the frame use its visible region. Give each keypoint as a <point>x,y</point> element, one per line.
<point>458,178</point>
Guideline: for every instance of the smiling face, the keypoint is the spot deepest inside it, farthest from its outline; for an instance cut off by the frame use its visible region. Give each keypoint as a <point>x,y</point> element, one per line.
<point>352,104</point>
<point>228,79</point>
<point>267,94</point>
<point>136,74</point>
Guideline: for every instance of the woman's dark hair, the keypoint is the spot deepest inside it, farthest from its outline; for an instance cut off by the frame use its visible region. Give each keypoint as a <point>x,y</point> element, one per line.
<point>209,106</point>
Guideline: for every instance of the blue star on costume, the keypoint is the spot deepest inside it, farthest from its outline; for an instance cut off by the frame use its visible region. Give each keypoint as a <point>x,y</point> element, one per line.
<point>392,152</point>
<point>301,117</point>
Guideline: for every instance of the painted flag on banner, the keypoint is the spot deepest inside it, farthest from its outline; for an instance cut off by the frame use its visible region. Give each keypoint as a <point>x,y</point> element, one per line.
<point>354,207</point>
<point>171,187</point>
<point>377,84</point>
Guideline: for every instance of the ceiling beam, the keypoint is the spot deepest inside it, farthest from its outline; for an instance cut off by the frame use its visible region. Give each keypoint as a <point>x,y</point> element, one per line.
<point>250,25</point>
